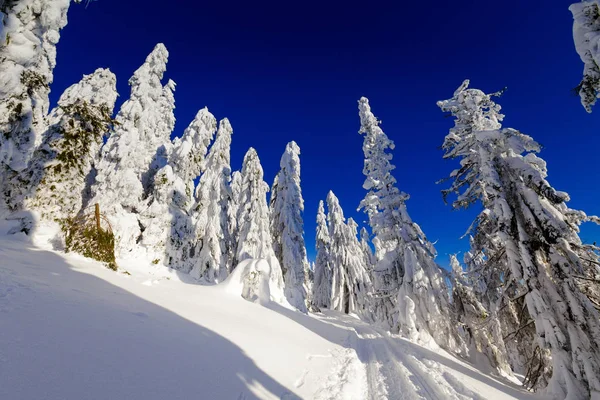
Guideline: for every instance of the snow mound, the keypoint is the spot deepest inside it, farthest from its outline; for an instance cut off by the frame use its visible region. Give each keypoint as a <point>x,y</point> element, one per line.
<point>250,279</point>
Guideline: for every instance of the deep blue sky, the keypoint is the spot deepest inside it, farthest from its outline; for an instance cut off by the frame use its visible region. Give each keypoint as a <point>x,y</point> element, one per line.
<point>284,71</point>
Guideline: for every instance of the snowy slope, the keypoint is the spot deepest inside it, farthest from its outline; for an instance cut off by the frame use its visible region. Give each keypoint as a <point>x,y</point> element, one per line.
<point>72,329</point>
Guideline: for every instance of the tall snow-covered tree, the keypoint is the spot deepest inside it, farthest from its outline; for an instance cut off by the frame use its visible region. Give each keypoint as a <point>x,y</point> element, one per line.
<point>60,169</point>
<point>351,285</point>
<point>254,235</point>
<point>136,149</point>
<point>586,35</point>
<point>412,296</point>
<point>169,233</point>
<point>29,32</point>
<point>212,199</point>
<point>287,226</point>
<point>321,290</point>
<point>529,235</point>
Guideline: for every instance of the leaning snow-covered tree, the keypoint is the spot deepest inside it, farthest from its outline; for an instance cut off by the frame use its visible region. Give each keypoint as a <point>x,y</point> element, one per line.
<point>586,35</point>
<point>411,295</point>
<point>321,289</point>
<point>136,148</point>
<point>169,233</point>
<point>287,226</point>
<point>528,234</point>
<point>29,32</point>
<point>60,170</point>
<point>212,200</point>
<point>254,235</point>
<point>351,285</point>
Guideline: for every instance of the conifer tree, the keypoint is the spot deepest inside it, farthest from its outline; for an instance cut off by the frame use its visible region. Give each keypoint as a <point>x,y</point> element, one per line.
<point>136,149</point>
<point>351,285</point>
<point>412,296</point>
<point>527,234</point>
<point>29,32</point>
<point>254,235</point>
<point>61,167</point>
<point>169,233</point>
<point>212,199</point>
<point>321,290</point>
<point>287,227</point>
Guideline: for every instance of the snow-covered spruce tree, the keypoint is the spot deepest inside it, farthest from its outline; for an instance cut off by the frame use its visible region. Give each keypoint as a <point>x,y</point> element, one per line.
<point>472,314</point>
<point>321,290</point>
<point>136,149</point>
<point>59,171</point>
<point>212,198</point>
<point>29,32</point>
<point>526,232</point>
<point>287,226</point>
<point>351,285</point>
<point>254,235</point>
<point>169,233</point>
<point>412,296</point>
<point>586,35</point>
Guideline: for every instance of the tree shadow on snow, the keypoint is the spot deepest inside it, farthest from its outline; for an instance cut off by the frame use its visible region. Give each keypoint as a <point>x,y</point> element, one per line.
<point>70,335</point>
<point>345,335</point>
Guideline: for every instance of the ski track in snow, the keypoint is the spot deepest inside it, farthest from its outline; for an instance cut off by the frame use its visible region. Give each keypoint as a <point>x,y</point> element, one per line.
<point>398,369</point>
<point>327,356</point>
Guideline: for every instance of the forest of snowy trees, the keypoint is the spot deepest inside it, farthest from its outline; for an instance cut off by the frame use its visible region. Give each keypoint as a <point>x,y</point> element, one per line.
<point>526,297</point>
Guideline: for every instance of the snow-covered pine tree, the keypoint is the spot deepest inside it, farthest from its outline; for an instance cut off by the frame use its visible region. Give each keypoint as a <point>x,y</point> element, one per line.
<point>60,170</point>
<point>169,233</point>
<point>471,314</point>
<point>287,227</point>
<point>321,290</point>
<point>254,235</point>
<point>528,234</point>
<point>136,149</point>
<point>586,35</point>
<point>212,199</point>
<point>29,32</point>
<point>412,296</point>
<point>351,285</point>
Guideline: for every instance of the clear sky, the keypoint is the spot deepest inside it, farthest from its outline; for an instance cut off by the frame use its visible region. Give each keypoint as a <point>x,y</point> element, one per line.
<point>283,71</point>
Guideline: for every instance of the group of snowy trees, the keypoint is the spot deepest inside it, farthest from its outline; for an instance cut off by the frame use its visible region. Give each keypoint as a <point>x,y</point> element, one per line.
<point>526,299</point>
<point>57,163</point>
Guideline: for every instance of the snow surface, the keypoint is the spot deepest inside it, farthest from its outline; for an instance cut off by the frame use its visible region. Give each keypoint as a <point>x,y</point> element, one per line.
<point>72,329</point>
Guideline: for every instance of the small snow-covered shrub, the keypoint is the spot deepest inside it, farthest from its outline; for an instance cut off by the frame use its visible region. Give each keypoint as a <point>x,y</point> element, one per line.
<point>84,236</point>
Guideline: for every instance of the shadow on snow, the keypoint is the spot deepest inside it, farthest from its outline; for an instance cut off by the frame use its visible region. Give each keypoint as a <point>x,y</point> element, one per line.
<point>63,337</point>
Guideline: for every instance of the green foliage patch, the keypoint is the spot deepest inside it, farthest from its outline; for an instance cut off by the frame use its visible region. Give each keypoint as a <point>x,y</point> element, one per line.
<point>83,237</point>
